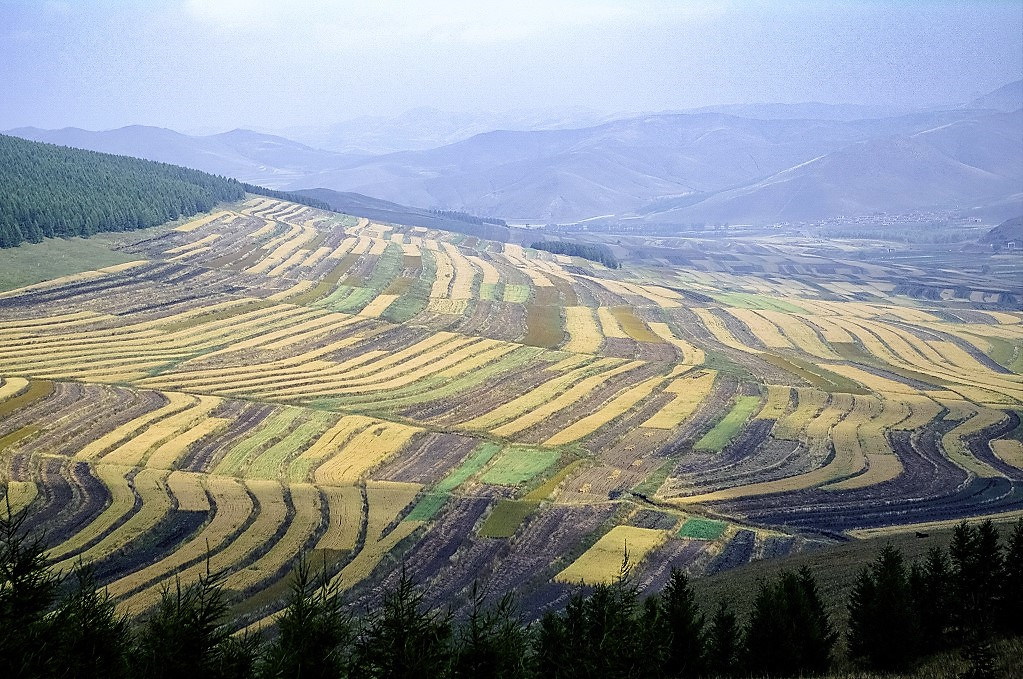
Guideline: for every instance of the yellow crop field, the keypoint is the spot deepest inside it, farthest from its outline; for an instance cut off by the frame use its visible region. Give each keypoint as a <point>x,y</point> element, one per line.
<point>366,450</point>
<point>175,403</point>
<point>612,409</point>
<point>202,221</point>
<point>763,329</point>
<point>151,487</point>
<point>188,489</point>
<point>691,355</point>
<point>344,505</point>
<point>535,398</point>
<point>329,444</point>
<point>18,495</point>
<point>443,305</point>
<point>689,392</point>
<point>305,499</point>
<point>167,455</point>
<point>136,450</point>
<point>953,442</point>
<point>562,401</point>
<point>633,327</point>
<point>609,326</point>
<point>122,501</point>
<point>378,306</point>
<point>809,402</point>
<point>464,274</point>
<point>1009,451</point>
<point>445,272</point>
<point>491,276</point>
<point>457,362</point>
<point>602,563</point>
<point>717,328</point>
<point>583,333</point>
<point>12,386</point>
<point>880,468</point>
<point>778,401</point>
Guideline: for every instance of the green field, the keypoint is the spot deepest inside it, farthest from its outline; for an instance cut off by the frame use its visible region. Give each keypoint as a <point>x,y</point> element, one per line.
<point>507,516</point>
<point>519,464</point>
<point>726,429</point>
<point>55,257</point>
<point>698,528</point>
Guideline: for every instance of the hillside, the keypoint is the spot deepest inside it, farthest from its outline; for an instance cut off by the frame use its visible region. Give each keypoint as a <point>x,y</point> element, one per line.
<point>50,191</point>
<point>1009,231</point>
<point>961,164</point>
<point>242,154</point>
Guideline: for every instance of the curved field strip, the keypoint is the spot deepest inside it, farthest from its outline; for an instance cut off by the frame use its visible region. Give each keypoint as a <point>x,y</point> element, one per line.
<point>317,325</point>
<point>136,450</point>
<point>662,297</point>
<point>452,363</point>
<point>271,516</point>
<point>800,334</point>
<point>329,444</point>
<point>536,398</point>
<point>122,502</point>
<point>728,427</point>
<point>445,273</point>
<point>779,398</point>
<point>880,469</point>
<point>272,428</point>
<point>273,462</point>
<point>954,443</point>
<point>871,381</point>
<point>612,409</point>
<point>149,484</point>
<point>202,221</point>
<point>689,392</point>
<point>233,507</point>
<point>194,245</point>
<point>12,386</point>
<point>188,491</point>
<point>464,273</point>
<point>830,331</point>
<point>716,327</point>
<point>809,402</point>
<point>305,498</point>
<point>387,499</point>
<point>632,325</point>
<point>364,451</point>
<point>818,433</point>
<point>609,326</point>
<point>344,506</point>
<point>691,355</point>
<point>18,495</point>
<point>74,278</point>
<point>167,455</point>
<point>1009,451</point>
<point>491,276</point>
<point>175,403</point>
<point>602,563</point>
<point>294,383</point>
<point>763,329</point>
<point>583,333</point>
<point>562,401</point>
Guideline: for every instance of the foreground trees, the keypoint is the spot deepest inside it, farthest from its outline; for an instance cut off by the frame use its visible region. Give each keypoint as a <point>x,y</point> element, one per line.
<point>67,627</point>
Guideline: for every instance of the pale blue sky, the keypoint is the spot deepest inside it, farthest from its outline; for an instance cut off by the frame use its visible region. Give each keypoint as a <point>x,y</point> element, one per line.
<point>203,64</point>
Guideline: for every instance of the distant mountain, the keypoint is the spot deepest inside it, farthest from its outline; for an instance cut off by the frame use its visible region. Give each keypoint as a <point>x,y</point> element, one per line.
<point>568,175</point>
<point>242,154</point>
<point>1006,98</point>
<point>955,165</point>
<point>426,128</point>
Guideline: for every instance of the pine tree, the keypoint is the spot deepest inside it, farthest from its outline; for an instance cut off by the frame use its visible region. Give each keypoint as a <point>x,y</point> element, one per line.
<point>404,641</point>
<point>313,632</point>
<point>932,591</point>
<point>1012,594</point>
<point>492,642</point>
<point>723,643</point>
<point>883,629</point>
<point>683,627</point>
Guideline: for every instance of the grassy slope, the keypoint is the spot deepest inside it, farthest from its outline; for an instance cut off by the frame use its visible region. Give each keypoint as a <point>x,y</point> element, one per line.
<point>37,262</point>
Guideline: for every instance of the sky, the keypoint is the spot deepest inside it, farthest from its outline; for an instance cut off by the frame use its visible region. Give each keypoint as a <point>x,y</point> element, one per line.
<point>208,65</point>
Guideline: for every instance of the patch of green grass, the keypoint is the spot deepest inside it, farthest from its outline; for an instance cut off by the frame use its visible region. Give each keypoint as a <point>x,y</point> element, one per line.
<point>519,464</point>
<point>431,502</point>
<point>272,462</point>
<point>516,293</point>
<point>726,429</point>
<point>17,436</point>
<point>544,490</point>
<point>416,298</point>
<point>32,263</point>
<point>655,480</point>
<point>490,291</point>
<point>745,300</point>
<point>272,428</point>
<point>506,518</point>
<point>698,528</point>
<point>1006,353</point>
<point>718,361</point>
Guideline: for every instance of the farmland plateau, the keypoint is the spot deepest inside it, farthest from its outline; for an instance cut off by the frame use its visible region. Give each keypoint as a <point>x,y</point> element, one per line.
<point>271,379</point>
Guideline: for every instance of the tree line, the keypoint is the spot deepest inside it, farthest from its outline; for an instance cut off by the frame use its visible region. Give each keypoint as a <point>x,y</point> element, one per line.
<point>57,627</point>
<point>288,196</point>
<point>468,218</point>
<point>49,191</point>
<point>591,251</point>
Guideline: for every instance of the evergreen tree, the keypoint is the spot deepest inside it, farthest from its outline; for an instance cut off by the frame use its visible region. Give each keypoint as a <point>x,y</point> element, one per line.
<point>723,643</point>
<point>789,632</point>
<point>313,633</point>
<point>932,592</point>
<point>91,640</point>
<point>492,642</point>
<point>883,630</point>
<point>186,637</point>
<point>683,627</point>
<point>1012,593</point>
<point>404,641</point>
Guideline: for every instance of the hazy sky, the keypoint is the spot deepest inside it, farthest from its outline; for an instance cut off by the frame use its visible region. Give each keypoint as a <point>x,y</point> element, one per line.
<point>208,64</point>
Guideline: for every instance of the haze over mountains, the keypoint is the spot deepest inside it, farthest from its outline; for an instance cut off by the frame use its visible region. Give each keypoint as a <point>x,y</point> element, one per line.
<point>756,163</point>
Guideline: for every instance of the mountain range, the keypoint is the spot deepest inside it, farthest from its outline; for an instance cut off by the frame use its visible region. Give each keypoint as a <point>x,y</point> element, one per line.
<point>753,164</point>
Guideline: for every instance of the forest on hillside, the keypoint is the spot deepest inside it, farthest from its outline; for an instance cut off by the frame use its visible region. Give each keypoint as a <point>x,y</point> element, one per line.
<point>49,191</point>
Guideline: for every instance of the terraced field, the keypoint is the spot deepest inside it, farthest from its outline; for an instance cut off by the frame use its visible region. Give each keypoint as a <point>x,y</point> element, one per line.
<point>271,379</point>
